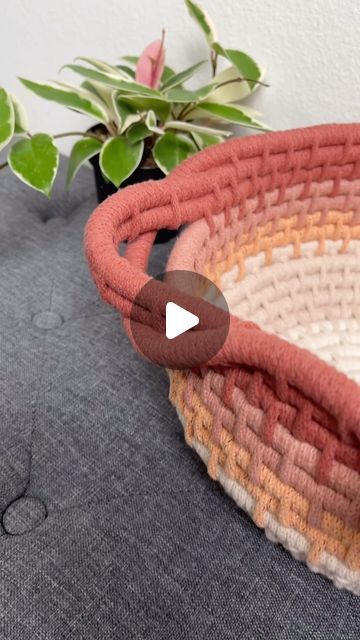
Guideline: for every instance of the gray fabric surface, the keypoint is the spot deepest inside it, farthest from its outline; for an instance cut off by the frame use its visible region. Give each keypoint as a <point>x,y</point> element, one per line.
<point>125,535</point>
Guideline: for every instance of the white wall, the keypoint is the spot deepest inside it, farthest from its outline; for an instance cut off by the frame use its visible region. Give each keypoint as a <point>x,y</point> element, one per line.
<point>310,47</point>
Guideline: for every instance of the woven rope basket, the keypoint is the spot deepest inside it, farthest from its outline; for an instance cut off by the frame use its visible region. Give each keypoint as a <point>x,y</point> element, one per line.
<point>274,221</point>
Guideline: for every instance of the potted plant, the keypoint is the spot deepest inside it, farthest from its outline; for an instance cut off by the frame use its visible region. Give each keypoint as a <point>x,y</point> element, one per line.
<point>146,120</point>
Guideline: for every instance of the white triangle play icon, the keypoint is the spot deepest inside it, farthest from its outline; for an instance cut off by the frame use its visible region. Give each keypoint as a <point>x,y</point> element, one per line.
<point>178,320</point>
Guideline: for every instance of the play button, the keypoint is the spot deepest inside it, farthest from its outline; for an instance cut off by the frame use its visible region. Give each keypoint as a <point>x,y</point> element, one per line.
<point>178,320</point>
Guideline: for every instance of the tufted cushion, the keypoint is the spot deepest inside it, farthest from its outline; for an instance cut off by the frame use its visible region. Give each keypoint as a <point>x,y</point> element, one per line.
<point>110,528</point>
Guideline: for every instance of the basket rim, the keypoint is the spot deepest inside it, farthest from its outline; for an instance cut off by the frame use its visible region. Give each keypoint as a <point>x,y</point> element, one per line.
<point>313,137</point>
<point>199,188</point>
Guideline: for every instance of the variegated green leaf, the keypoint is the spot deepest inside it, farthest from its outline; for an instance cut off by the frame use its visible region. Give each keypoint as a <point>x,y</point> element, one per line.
<point>119,158</point>
<point>230,87</point>
<point>68,98</point>
<point>138,131</point>
<point>100,92</point>
<point>91,91</point>
<point>204,140</point>
<point>21,118</point>
<point>166,74</point>
<point>127,114</point>
<point>184,95</point>
<point>104,66</point>
<point>7,118</point>
<point>112,80</point>
<point>82,151</point>
<point>231,113</point>
<point>35,161</point>
<point>246,66</point>
<point>191,127</point>
<point>151,123</point>
<point>171,149</point>
<point>203,19</point>
<point>130,59</point>
<point>178,78</point>
<point>143,104</point>
<point>127,70</point>
<point>196,112</point>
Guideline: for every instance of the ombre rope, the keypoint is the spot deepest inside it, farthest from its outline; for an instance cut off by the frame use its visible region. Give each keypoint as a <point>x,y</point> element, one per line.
<point>274,220</point>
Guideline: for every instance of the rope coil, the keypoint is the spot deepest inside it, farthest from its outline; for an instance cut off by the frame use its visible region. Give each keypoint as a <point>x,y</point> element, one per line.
<point>274,220</point>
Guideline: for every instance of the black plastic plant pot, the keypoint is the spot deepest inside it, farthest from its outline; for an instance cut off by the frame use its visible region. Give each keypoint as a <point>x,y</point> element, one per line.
<point>141,174</point>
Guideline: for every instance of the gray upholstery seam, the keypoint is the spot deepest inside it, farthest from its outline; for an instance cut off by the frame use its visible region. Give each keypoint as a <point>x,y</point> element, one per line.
<point>35,402</point>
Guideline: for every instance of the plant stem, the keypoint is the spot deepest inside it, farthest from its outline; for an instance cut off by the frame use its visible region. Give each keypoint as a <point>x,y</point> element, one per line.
<point>184,112</point>
<point>187,109</point>
<point>195,142</point>
<point>213,61</point>
<point>84,134</point>
<point>3,165</point>
<point>223,84</point>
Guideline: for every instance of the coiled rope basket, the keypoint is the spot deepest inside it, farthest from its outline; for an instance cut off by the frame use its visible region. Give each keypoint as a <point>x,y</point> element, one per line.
<point>274,221</point>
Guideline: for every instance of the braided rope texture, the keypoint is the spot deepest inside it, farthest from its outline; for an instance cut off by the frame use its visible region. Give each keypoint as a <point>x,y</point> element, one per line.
<point>274,220</point>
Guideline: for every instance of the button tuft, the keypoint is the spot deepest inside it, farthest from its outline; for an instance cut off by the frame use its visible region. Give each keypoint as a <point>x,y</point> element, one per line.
<point>22,515</point>
<point>47,320</point>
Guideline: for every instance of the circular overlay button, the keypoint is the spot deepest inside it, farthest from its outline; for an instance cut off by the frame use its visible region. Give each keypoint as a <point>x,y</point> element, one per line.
<point>22,515</point>
<point>180,320</point>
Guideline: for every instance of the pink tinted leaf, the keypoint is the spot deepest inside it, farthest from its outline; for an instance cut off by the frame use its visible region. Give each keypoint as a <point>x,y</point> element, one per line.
<point>151,63</point>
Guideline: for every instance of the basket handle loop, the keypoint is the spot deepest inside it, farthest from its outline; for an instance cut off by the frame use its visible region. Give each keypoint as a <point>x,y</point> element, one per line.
<point>134,215</point>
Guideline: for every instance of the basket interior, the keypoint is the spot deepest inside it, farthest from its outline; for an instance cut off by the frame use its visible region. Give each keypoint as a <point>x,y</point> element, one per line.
<point>294,271</point>
<point>308,294</point>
